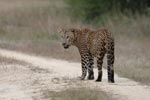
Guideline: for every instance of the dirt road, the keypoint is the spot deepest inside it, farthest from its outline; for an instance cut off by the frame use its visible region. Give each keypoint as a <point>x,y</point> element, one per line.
<point>29,82</point>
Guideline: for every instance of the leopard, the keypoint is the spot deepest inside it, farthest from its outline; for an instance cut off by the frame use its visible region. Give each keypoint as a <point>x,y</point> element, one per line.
<point>92,44</point>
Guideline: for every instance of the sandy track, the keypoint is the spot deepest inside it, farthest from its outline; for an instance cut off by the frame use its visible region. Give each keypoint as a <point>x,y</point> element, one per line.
<point>45,74</point>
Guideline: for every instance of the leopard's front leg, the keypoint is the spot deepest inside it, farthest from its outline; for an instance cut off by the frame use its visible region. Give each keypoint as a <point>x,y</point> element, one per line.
<point>90,68</point>
<point>84,65</point>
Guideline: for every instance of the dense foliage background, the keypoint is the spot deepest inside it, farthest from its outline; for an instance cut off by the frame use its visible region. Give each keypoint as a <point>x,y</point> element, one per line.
<point>88,10</point>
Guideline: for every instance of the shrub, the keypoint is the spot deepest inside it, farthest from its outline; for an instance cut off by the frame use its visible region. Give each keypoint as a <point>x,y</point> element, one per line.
<point>88,10</point>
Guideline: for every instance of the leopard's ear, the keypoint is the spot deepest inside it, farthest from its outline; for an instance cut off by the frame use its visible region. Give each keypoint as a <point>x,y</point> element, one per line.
<point>74,31</point>
<point>60,30</point>
<point>85,30</point>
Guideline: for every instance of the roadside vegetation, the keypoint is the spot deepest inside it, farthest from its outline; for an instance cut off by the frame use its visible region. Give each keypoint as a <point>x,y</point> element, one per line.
<point>33,29</point>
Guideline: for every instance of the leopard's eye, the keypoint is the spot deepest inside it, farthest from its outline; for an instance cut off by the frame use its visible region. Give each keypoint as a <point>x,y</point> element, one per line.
<point>67,37</point>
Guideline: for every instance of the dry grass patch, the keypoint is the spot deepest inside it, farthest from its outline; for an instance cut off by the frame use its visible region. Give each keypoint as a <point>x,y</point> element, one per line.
<point>5,61</point>
<point>54,50</point>
<point>132,59</point>
<point>79,94</point>
<point>38,22</point>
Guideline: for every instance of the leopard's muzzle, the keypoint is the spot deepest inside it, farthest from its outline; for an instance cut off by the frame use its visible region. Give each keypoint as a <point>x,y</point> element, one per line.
<point>66,46</point>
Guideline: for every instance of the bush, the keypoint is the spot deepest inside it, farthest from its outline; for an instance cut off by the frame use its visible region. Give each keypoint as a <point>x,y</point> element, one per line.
<point>88,10</point>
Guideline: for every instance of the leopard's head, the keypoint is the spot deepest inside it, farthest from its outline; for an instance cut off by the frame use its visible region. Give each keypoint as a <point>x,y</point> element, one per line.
<point>68,37</point>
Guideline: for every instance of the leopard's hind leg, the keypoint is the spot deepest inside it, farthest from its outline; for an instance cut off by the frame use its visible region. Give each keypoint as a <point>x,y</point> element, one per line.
<point>110,61</point>
<point>99,65</point>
